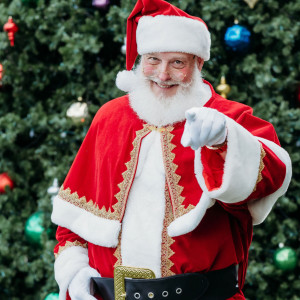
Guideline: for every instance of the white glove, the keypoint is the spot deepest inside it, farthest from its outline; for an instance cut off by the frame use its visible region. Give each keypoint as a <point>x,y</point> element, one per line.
<point>204,127</point>
<point>80,286</point>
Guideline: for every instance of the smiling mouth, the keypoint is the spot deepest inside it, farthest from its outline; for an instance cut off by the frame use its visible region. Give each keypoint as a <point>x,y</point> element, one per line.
<point>165,86</point>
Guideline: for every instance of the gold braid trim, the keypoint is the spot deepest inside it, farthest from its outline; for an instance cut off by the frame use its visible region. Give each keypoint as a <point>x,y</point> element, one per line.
<point>155,128</point>
<point>122,195</point>
<point>117,252</point>
<point>69,244</point>
<point>89,206</point>
<point>128,175</point>
<point>171,176</point>
<point>261,167</point>
<point>167,241</point>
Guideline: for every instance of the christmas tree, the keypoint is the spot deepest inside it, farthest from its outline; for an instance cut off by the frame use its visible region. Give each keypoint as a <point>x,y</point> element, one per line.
<point>67,49</point>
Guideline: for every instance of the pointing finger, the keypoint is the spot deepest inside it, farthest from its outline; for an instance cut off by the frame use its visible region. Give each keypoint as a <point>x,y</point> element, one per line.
<point>190,115</point>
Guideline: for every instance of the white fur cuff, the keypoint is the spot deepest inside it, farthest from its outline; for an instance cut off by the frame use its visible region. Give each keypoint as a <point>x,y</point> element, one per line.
<point>259,209</point>
<point>94,229</point>
<point>192,219</point>
<point>241,166</point>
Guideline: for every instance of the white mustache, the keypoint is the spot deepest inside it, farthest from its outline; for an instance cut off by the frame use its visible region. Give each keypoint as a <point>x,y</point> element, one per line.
<point>167,83</point>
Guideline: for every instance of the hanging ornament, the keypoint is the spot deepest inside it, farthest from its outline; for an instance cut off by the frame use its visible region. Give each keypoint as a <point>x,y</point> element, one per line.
<point>11,29</point>
<point>54,189</point>
<point>32,133</point>
<point>237,38</point>
<point>5,181</point>
<point>251,3</point>
<point>34,228</point>
<point>101,3</point>
<point>223,88</point>
<point>63,135</point>
<point>285,258</point>
<point>1,75</point>
<point>52,296</point>
<point>123,48</point>
<point>78,111</point>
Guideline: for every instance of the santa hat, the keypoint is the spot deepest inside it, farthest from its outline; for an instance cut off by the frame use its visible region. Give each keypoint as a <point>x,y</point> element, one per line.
<point>158,26</point>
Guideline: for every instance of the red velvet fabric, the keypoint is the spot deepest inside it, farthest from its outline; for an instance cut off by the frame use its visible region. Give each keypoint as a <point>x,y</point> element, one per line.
<point>224,235</point>
<point>213,167</point>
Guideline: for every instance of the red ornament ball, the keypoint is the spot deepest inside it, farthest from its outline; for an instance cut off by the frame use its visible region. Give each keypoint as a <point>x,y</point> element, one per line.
<point>1,75</point>
<point>11,28</point>
<point>1,72</point>
<point>5,180</point>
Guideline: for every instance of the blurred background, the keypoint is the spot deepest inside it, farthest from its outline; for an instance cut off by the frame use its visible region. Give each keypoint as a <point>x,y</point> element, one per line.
<point>58,63</point>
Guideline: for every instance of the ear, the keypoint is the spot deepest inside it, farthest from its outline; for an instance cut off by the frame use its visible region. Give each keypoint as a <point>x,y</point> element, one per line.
<point>200,62</point>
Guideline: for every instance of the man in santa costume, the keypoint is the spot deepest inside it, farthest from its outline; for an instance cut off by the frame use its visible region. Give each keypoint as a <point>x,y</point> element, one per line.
<point>170,177</point>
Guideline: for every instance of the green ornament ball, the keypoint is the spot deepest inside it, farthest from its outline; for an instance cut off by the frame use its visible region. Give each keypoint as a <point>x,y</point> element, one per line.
<point>52,296</point>
<point>34,228</point>
<point>285,259</point>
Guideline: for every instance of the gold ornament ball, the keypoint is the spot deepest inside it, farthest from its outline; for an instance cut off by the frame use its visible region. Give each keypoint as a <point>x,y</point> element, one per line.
<point>223,88</point>
<point>251,3</point>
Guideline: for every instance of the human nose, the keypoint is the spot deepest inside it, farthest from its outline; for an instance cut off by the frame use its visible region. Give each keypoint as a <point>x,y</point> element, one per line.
<point>163,72</point>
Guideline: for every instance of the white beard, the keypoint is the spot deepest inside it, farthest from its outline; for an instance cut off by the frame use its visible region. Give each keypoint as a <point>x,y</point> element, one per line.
<point>162,111</point>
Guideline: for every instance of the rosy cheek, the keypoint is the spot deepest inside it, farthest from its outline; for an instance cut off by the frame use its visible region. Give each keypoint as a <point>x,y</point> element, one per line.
<point>180,75</point>
<point>149,70</point>
<point>188,75</point>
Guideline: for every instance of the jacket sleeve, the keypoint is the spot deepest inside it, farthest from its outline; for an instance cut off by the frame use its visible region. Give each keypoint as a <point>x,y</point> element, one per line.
<point>83,203</point>
<point>256,170</point>
<point>71,256</point>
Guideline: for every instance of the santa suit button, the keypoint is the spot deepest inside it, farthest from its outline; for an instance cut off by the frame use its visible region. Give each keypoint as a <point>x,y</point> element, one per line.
<point>151,295</point>
<point>178,291</point>
<point>165,294</point>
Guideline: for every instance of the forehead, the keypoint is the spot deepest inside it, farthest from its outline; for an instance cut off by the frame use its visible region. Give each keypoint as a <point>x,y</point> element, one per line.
<point>171,55</point>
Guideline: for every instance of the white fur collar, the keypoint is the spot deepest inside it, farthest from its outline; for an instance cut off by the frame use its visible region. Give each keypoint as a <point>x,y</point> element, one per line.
<point>162,112</point>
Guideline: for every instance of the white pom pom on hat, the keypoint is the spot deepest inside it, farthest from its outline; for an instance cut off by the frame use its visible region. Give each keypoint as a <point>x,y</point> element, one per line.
<point>125,80</point>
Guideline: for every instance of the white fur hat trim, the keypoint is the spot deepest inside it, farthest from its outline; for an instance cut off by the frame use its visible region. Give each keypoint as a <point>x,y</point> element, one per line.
<point>173,34</point>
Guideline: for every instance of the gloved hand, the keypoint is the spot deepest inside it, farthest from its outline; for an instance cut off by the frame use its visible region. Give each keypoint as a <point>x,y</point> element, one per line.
<point>80,286</point>
<point>204,127</point>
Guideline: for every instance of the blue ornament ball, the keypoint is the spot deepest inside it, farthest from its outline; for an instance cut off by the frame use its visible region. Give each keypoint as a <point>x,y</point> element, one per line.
<point>237,38</point>
<point>52,296</point>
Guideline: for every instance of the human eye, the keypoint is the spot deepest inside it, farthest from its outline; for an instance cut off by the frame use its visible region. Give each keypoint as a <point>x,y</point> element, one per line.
<point>153,60</point>
<point>179,64</point>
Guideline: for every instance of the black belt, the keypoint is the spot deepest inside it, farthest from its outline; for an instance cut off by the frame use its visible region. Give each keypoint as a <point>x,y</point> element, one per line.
<point>214,285</point>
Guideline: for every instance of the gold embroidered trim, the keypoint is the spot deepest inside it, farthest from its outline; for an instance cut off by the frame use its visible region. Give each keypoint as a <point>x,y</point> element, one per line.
<point>117,252</point>
<point>122,195</point>
<point>154,128</point>
<point>68,245</point>
<point>128,175</point>
<point>261,167</point>
<point>89,206</point>
<point>171,176</point>
<point>167,241</point>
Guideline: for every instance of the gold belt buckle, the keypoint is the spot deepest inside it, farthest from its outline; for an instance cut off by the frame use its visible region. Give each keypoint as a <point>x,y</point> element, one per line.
<point>122,272</point>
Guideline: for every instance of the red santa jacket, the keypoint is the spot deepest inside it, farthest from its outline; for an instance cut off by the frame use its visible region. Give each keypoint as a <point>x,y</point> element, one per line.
<point>212,203</point>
